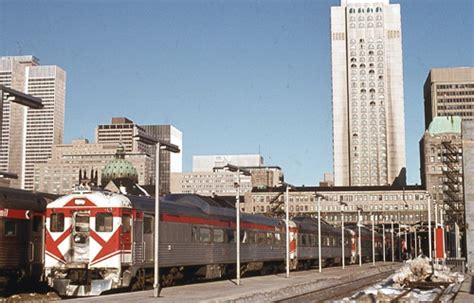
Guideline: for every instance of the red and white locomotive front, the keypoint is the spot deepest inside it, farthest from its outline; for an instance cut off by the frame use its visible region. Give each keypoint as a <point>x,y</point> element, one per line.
<point>88,242</point>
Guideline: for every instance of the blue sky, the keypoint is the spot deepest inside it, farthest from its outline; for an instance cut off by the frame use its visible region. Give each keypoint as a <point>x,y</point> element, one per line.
<point>233,76</point>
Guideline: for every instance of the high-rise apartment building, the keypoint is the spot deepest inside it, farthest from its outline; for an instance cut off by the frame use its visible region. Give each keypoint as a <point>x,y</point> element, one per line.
<point>449,92</point>
<point>367,93</point>
<point>123,130</point>
<point>28,134</point>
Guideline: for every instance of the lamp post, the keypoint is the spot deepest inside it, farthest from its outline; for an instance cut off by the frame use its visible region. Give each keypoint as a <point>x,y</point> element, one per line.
<point>238,170</point>
<point>416,241</point>
<point>159,145</point>
<point>393,241</point>
<point>373,238</point>
<point>319,197</point>
<point>342,234</point>
<point>383,238</point>
<point>430,249</point>
<point>287,220</point>
<point>359,242</point>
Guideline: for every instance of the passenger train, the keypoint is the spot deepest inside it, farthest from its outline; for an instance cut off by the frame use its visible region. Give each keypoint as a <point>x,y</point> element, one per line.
<point>21,236</point>
<point>96,241</point>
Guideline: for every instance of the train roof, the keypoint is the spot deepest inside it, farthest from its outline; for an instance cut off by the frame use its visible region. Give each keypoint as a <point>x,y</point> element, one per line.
<point>217,208</point>
<point>21,199</point>
<point>174,204</point>
<point>310,224</point>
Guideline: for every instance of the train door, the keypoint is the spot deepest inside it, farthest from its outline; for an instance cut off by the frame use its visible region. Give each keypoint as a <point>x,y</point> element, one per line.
<point>36,248</point>
<point>80,236</point>
<point>148,227</point>
<point>138,243</point>
<point>126,235</point>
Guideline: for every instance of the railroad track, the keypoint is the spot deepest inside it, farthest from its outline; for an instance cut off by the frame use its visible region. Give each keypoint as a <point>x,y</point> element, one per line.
<point>337,291</point>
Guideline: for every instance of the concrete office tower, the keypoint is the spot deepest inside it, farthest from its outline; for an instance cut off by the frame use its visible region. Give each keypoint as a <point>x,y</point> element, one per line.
<point>169,162</point>
<point>367,93</point>
<point>121,131</point>
<point>468,169</point>
<point>206,163</point>
<point>449,92</point>
<point>28,134</point>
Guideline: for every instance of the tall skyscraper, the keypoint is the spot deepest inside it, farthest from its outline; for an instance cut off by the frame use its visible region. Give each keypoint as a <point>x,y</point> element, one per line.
<point>449,92</point>
<point>169,162</point>
<point>28,134</point>
<point>367,93</point>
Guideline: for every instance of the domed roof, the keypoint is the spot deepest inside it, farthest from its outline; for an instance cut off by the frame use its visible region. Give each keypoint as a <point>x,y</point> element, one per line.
<point>119,168</point>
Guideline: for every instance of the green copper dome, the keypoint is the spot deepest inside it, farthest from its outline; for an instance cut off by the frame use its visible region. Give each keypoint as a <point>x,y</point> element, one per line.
<point>443,125</point>
<point>119,168</point>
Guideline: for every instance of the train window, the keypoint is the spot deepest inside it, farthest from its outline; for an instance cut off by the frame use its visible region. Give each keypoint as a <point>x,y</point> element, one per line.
<point>147,225</point>
<point>36,226</point>
<point>251,237</point>
<point>230,236</point>
<point>10,228</point>
<point>306,240</point>
<point>278,238</point>
<point>204,235</point>
<point>56,223</point>
<point>218,236</point>
<point>333,241</point>
<point>328,241</point>
<point>126,224</point>
<point>194,234</point>
<point>104,222</point>
<point>270,238</point>
<point>261,238</point>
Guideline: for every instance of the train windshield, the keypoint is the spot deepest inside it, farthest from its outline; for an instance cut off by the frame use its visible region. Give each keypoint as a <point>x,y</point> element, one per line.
<point>82,222</point>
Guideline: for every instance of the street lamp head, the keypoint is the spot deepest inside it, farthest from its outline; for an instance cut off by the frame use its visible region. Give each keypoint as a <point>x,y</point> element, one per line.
<point>318,195</point>
<point>7,175</point>
<point>152,141</point>
<point>234,168</point>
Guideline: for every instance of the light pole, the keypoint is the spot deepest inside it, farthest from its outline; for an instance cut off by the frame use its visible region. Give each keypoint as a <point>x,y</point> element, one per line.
<point>393,241</point>
<point>238,170</point>
<point>430,251</point>
<point>416,241</point>
<point>159,145</point>
<point>287,220</point>
<point>342,234</point>
<point>383,235</point>
<point>319,197</point>
<point>373,238</point>
<point>359,242</point>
